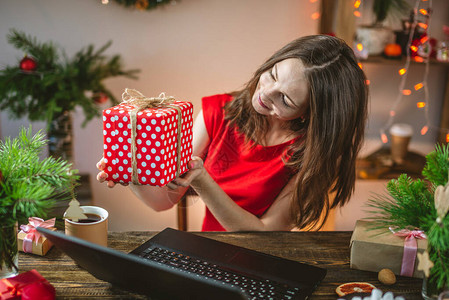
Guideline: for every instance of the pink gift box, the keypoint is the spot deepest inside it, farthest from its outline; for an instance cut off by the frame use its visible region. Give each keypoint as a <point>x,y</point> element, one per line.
<point>156,142</point>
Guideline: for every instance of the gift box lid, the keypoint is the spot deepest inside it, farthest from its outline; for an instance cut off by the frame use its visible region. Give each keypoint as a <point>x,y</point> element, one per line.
<point>364,233</point>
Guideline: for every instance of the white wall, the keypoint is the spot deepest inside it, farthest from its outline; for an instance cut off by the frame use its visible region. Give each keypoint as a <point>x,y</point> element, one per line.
<point>189,50</point>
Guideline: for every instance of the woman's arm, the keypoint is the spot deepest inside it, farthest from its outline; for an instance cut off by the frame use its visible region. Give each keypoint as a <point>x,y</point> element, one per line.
<point>231,216</point>
<point>163,198</point>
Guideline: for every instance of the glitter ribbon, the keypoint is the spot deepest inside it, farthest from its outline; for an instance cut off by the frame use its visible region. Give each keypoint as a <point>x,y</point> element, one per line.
<point>32,233</point>
<point>410,248</point>
<point>140,102</point>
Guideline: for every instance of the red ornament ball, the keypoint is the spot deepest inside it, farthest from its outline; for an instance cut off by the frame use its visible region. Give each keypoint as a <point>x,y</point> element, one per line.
<point>100,98</point>
<point>28,64</point>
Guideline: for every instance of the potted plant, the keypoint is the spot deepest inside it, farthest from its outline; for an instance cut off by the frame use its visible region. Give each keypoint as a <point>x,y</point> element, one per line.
<point>29,187</point>
<point>45,85</point>
<point>421,204</point>
<point>376,36</point>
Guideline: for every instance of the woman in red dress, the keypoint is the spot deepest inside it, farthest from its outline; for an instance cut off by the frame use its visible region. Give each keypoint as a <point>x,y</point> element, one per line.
<point>281,152</point>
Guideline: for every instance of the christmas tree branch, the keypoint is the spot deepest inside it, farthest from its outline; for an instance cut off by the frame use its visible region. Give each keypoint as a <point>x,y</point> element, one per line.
<point>57,84</point>
<point>47,52</point>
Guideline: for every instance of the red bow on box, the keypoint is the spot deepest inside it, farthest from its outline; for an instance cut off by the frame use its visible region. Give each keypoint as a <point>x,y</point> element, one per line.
<point>26,286</point>
<point>32,233</point>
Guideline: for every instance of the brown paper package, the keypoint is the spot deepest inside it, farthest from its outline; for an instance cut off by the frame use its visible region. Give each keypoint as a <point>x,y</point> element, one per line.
<point>374,250</point>
<point>42,247</point>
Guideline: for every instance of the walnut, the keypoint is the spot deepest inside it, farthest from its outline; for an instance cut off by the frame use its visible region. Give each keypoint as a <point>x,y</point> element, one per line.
<point>386,276</point>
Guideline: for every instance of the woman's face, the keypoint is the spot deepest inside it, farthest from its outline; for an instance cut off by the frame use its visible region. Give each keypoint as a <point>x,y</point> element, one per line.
<point>282,91</point>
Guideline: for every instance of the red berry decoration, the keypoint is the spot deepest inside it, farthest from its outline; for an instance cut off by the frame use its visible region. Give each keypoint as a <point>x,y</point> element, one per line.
<point>100,98</point>
<point>28,64</point>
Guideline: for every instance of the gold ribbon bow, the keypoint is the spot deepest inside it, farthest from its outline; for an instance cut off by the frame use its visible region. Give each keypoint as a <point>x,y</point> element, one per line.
<point>136,98</point>
<point>140,102</point>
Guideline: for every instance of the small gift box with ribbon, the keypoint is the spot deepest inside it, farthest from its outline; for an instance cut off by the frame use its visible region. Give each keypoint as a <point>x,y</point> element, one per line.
<point>30,240</point>
<point>394,249</point>
<point>28,285</point>
<point>147,141</point>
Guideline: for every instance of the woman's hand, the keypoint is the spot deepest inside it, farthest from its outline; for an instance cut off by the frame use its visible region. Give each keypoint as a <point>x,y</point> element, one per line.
<point>196,169</point>
<point>101,176</point>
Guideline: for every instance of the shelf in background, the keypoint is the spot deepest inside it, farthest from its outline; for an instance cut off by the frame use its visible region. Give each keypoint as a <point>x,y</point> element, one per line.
<point>444,122</point>
<point>379,59</point>
<point>379,165</point>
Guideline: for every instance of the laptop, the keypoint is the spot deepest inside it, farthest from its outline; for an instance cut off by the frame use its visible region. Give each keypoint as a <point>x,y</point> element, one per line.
<point>182,265</point>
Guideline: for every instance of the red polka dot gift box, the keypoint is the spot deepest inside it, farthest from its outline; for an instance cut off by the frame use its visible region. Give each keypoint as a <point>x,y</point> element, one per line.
<point>147,141</point>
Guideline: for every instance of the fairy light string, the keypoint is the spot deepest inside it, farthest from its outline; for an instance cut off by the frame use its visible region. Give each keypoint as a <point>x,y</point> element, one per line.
<point>403,72</point>
<point>419,87</point>
<point>424,85</point>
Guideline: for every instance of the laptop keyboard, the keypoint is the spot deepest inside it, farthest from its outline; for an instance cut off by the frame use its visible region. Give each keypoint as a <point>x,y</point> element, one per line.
<point>254,288</point>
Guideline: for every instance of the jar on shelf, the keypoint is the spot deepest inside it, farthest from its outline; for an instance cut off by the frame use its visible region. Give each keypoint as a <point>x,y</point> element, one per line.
<point>443,51</point>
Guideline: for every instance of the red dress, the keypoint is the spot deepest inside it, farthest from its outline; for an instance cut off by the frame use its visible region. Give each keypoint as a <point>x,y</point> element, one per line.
<point>252,178</point>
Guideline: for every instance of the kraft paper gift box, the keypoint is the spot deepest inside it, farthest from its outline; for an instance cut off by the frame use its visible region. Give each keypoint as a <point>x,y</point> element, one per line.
<point>147,141</point>
<point>31,241</point>
<point>374,250</point>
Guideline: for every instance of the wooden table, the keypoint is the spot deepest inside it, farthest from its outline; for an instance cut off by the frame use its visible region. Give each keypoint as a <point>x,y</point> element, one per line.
<point>328,250</point>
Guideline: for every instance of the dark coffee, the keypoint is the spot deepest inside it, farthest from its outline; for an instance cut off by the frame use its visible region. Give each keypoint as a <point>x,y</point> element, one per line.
<point>91,218</point>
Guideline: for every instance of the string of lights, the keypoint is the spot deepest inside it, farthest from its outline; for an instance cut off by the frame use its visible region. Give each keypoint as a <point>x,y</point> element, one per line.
<point>422,9</point>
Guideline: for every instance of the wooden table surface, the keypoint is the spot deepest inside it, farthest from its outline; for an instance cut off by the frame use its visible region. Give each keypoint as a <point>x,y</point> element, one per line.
<point>329,250</point>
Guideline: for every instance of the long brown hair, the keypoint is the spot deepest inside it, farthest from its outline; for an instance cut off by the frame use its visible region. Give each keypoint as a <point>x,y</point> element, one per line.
<point>334,127</point>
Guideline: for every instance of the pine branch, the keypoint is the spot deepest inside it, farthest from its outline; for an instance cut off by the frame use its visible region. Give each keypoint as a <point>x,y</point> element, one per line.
<point>58,84</point>
<point>406,205</point>
<point>31,185</point>
<point>47,53</point>
<point>437,165</point>
<point>142,5</point>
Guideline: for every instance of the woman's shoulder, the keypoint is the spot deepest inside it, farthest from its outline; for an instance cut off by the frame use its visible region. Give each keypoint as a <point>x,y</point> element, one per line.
<point>218,100</point>
<point>213,112</point>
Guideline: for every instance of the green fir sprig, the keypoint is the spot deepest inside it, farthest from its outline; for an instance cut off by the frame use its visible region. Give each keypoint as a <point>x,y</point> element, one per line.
<point>407,204</point>
<point>58,83</point>
<point>438,239</point>
<point>29,186</point>
<point>437,166</point>
<point>385,8</point>
<point>144,4</point>
<point>410,203</point>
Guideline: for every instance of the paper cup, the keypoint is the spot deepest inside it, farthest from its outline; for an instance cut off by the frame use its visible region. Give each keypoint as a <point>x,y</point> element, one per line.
<point>95,231</point>
<point>401,135</point>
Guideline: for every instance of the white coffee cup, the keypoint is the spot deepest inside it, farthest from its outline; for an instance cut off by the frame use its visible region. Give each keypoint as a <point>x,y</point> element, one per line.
<point>401,135</point>
<point>94,230</point>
